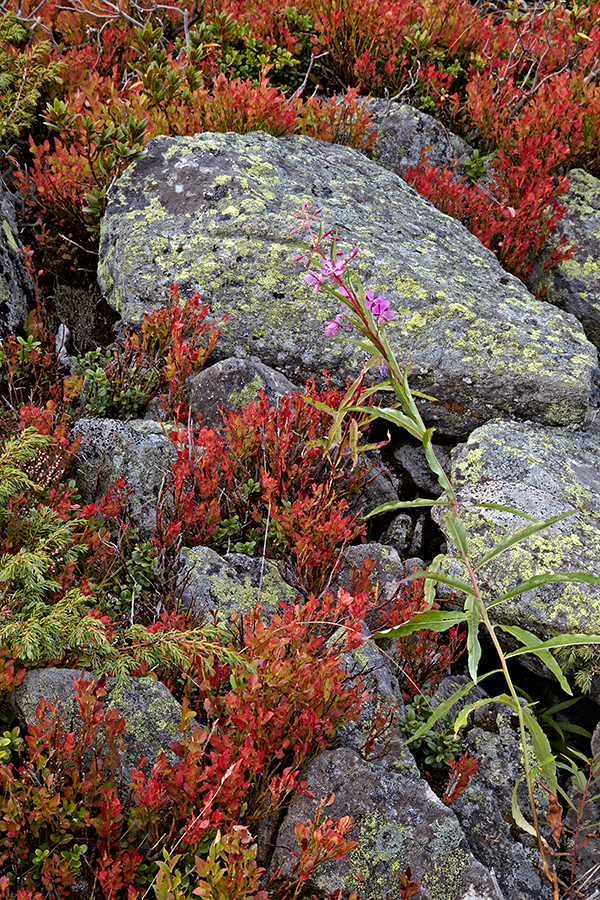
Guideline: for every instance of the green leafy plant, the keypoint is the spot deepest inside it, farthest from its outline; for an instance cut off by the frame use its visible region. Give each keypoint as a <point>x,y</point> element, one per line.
<point>365,314</point>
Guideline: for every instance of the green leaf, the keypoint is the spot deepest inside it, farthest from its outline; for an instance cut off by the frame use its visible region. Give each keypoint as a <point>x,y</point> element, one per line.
<point>473,645</point>
<point>535,645</point>
<point>457,533</point>
<point>439,712</point>
<point>516,537</point>
<point>435,466</point>
<point>547,578</point>
<point>445,579</point>
<point>520,821</point>
<point>463,715</point>
<point>508,509</point>
<point>561,640</point>
<point>434,620</point>
<point>404,504</point>
<point>542,750</point>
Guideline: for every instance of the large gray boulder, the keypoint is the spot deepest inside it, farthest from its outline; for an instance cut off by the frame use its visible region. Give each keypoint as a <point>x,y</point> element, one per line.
<point>574,284</point>
<point>543,472</point>
<point>232,586</point>
<point>16,287</point>
<point>214,212</point>
<point>151,713</point>
<point>403,132</point>
<point>398,821</point>
<point>138,451</point>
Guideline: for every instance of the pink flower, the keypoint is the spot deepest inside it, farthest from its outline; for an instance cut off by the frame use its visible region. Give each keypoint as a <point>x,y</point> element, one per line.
<point>334,325</point>
<point>333,270</point>
<point>378,306</point>
<point>314,280</point>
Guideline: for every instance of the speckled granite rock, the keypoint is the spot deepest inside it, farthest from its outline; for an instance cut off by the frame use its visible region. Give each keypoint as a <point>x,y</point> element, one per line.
<point>138,451</point>
<point>234,384</point>
<point>574,285</point>
<point>544,472</point>
<point>214,212</point>
<point>16,287</point>
<point>399,822</point>
<point>231,585</point>
<point>152,715</point>
<point>403,131</point>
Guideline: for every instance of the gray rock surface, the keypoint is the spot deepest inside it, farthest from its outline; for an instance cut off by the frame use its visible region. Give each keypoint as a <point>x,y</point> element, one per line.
<point>138,451</point>
<point>543,472</point>
<point>574,284</point>
<point>233,384</point>
<point>484,808</point>
<point>411,457</point>
<point>16,287</point>
<point>214,212</point>
<point>399,822</point>
<point>404,131</point>
<point>231,585</point>
<point>151,713</point>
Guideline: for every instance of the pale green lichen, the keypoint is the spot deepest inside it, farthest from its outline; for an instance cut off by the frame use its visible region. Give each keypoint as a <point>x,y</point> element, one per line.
<point>241,398</point>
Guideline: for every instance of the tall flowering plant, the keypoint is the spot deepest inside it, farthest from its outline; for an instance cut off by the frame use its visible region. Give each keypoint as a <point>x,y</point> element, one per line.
<point>362,319</point>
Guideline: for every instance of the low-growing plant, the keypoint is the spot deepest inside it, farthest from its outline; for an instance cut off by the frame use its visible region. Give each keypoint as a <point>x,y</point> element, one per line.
<point>265,486</point>
<point>364,315</point>
<point>66,803</point>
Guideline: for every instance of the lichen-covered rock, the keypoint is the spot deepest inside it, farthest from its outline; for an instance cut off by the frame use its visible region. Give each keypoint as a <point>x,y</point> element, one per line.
<point>138,451</point>
<point>214,212</point>
<point>16,287</point>
<point>384,702</point>
<point>543,472</point>
<point>574,284</point>
<point>232,586</point>
<point>151,713</point>
<point>233,384</point>
<point>484,808</point>
<point>403,132</point>
<point>399,822</point>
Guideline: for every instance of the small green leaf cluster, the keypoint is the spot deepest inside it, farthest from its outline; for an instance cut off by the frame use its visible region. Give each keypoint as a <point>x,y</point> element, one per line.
<point>111,387</point>
<point>10,743</point>
<point>437,746</point>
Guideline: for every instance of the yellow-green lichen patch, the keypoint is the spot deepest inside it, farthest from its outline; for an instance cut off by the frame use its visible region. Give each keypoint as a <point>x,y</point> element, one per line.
<point>245,395</point>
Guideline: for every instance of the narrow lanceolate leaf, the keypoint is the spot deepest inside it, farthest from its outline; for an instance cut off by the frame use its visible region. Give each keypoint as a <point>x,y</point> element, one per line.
<point>542,750</point>
<point>465,712</point>
<point>456,533</point>
<point>520,820</point>
<point>445,579</point>
<point>547,578</point>
<point>561,640</point>
<point>434,620</point>
<point>404,504</point>
<point>520,535</point>
<point>403,421</point>
<point>434,464</point>
<point>533,644</point>
<point>430,584</point>
<point>509,509</point>
<point>473,645</point>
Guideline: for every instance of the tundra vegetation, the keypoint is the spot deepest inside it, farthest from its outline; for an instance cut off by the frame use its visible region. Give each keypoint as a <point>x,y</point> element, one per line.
<point>83,87</point>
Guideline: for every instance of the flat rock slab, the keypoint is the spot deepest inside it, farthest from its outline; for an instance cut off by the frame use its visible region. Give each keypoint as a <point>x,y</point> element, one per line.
<point>213,212</point>
<point>543,472</point>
